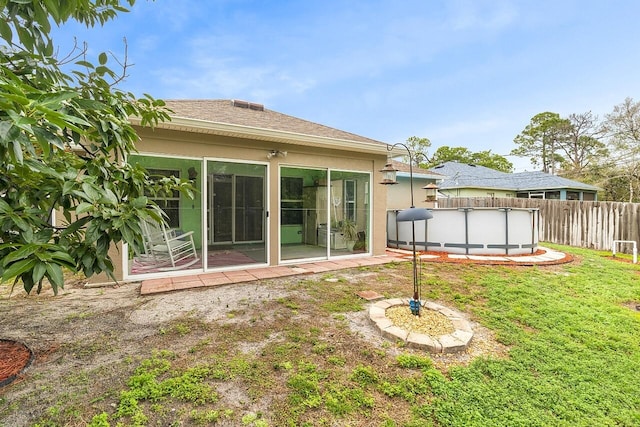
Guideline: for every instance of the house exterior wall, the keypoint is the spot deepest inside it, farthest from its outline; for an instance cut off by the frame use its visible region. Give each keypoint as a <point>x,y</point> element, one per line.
<point>399,195</point>
<point>199,145</point>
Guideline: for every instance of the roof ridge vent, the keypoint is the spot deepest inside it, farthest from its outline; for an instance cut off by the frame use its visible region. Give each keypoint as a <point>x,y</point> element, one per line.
<point>246,104</point>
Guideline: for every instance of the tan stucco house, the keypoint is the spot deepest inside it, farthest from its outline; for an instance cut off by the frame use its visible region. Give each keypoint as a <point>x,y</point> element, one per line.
<point>273,189</point>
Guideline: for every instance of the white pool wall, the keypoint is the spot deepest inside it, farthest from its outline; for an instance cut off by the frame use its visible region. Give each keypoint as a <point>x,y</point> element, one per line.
<point>472,231</point>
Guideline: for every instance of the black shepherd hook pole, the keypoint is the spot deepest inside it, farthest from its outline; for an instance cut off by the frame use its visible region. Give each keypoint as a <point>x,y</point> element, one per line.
<point>412,214</point>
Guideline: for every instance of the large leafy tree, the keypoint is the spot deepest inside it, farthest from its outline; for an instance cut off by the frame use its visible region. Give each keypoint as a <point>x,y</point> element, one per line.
<point>463,155</point>
<point>64,136</point>
<point>623,129</point>
<point>541,139</point>
<point>419,148</point>
<point>582,146</point>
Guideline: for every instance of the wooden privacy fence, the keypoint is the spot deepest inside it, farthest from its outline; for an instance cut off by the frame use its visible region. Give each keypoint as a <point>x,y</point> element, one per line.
<point>592,225</point>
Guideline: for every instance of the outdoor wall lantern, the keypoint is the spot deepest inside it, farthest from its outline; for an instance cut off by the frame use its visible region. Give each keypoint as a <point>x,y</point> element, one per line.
<point>412,214</point>
<point>276,153</point>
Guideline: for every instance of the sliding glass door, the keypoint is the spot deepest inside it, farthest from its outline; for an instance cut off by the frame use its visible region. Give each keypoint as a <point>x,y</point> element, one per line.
<point>183,220</point>
<point>303,213</point>
<point>236,217</point>
<point>350,212</point>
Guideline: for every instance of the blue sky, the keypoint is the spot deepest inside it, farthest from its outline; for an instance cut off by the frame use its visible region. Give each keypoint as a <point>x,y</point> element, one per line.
<point>463,73</point>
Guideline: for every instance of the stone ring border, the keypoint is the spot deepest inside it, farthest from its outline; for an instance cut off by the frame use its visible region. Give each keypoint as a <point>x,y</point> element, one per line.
<point>454,342</point>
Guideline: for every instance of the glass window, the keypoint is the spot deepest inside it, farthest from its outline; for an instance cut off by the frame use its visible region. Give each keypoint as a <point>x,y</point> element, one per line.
<point>552,195</point>
<point>350,200</point>
<point>291,200</point>
<point>169,203</point>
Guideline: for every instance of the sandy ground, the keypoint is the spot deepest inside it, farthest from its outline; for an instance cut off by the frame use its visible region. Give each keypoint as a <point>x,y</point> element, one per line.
<point>87,330</point>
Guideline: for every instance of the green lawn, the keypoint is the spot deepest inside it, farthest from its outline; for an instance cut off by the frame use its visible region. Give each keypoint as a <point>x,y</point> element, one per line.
<point>573,359</point>
<point>575,353</point>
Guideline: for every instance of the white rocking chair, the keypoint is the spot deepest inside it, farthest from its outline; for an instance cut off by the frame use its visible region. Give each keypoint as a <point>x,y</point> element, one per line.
<point>164,249</point>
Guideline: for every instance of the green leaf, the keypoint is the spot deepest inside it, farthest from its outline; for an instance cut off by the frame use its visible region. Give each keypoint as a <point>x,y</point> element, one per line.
<point>83,207</point>
<point>17,152</point>
<point>140,202</point>
<point>103,58</point>
<point>18,268</point>
<point>93,232</point>
<point>36,166</point>
<point>41,17</point>
<point>18,221</point>
<point>109,198</point>
<point>75,226</point>
<point>56,98</point>
<point>24,252</point>
<point>89,104</point>
<point>67,187</point>
<point>45,139</point>
<point>6,130</point>
<point>38,271</point>
<point>5,31</point>
<point>55,276</point>
<point>52,7</point>
<point>63,257</point>
<point>28,283</point>
<point>92,192</point>
<point>26,38</point>
<point>86,64</point>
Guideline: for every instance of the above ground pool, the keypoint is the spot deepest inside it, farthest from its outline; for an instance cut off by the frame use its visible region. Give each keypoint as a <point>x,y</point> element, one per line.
<point>470,231</point>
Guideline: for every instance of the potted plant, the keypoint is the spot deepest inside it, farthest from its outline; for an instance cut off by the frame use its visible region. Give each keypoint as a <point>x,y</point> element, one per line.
<point>349,232</point>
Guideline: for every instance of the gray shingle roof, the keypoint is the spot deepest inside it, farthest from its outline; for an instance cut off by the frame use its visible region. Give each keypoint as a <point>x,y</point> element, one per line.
<point>543,181</point>
<point>253,115</point>
<point>460,175</point>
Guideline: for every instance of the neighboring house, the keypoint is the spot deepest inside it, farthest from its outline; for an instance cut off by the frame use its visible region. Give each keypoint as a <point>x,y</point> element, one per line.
<point>399,195</point>
<point>463,180</point>
<point>272,189</point>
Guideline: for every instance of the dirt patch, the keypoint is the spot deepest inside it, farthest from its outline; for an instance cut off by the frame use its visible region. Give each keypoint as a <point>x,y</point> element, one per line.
<point>87,342</point>
<point>632,305</point>
<point>619,258</point>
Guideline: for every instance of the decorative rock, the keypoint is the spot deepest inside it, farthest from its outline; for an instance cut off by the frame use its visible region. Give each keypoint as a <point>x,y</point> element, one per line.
<point>430,305</point>
<point>448,312</point>
<point>377,310</point>
<point>451,344</point>
<point>456,341</point>
<point>462,325</point>
<point>423,341</point>
<point>464,336</point>
<point>394,332</point>
<point>383,324</point>
<point>396,301</point>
